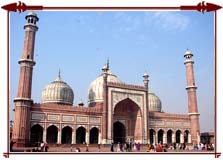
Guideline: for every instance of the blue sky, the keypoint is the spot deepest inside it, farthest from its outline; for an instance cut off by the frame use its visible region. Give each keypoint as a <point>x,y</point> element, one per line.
<point>80,42</point>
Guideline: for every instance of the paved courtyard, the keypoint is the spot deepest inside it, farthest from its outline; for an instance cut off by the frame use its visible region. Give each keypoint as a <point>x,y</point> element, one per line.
<point>94,149</point>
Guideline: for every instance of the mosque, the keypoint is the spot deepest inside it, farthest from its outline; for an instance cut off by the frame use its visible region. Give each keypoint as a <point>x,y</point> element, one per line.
<point>116,111</point>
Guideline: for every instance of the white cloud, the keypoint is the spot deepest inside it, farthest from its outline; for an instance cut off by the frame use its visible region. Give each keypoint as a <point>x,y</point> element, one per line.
<point>127,22</point>
<point>167,21</point>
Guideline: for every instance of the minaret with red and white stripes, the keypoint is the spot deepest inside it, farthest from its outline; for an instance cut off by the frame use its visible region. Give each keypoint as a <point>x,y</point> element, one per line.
<point>23,101</point>
<point>192,98</point>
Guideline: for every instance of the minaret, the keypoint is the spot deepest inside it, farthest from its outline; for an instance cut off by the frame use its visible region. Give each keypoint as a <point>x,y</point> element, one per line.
<point>146,129</point>
<point>23,101</point>
<point>192,98</point>
<point>105,108</point>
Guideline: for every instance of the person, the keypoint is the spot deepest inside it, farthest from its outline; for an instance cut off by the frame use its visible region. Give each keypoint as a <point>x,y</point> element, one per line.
<point>212,146</point>
<point>34,149</point>
<point>159,148</point>
<point>148,147</point>
<point>138,146</point>
<point>46,146</point>
<point>37,145</point>
<point>78,150</point>
<point>112,147</point>
<point>130,147</point>
<point>134,146</point>
<point>87,148</point>
<point>118,147</point>
<point>127,147</point>
<point>11,145</point>
<point>42,146</point>
<point>174,146</point>
<point>99,147</point>
<point>152,148</point>
<point>71,148</point>
<point>121,147</point>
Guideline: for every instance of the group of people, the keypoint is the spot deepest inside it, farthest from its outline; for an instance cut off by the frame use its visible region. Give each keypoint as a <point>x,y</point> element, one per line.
<point>184,146</point>
<point>41,147</point>
<point>129,147</point>
<point>156,147</point>
<point>202,146</point>
<point>125,147</point>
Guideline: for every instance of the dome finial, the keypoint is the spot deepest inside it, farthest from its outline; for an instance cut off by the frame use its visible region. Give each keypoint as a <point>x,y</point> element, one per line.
<point>59,76</point>
<point>107,64</point>
<point>81,104</point>
<point>59,73</point>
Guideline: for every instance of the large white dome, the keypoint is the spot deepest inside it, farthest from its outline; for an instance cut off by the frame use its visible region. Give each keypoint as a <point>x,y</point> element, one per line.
<point>154,102</point>
<point>95,90</point>
<point>58,91</point>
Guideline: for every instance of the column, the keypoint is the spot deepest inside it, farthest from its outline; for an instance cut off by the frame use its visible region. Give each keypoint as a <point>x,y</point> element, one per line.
<point>173,137</point>
<point>189,138</point>
<point>99,138</point>
<point>59,137</point>
<point>73,136</point>
<point>181,138</point>
<point>44,135</point>
<point>154,138</point>
<point>164,138</point>
<point>87,137</point>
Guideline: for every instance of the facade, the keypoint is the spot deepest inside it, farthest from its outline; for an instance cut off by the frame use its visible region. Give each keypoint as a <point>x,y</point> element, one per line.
<point>116,111</point>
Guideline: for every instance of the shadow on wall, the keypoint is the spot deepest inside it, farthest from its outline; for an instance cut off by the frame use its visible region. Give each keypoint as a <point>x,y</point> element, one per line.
<point>91,97</point>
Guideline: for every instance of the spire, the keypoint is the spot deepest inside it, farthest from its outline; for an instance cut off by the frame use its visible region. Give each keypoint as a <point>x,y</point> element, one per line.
<point>59,73</point>
<point>107,64</point>
<point>59,76</point>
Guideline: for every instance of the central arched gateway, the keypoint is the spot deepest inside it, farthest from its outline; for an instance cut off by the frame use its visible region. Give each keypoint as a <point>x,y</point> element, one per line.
<point>127,120</point>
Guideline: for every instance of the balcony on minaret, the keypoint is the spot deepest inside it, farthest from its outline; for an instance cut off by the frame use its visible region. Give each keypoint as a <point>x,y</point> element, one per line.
<point>31,20</point>
<point>188,56</point>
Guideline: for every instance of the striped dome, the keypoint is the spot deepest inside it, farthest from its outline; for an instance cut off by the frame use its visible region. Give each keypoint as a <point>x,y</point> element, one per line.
<point>154,102</point>
<point>58,91</point>
<point>95,90</point>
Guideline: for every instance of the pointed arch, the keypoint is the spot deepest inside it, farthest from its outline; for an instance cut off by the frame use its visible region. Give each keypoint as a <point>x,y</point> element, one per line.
<point>66,137</point>
<point>94,132</point>
<point>130,113</point>
<point>186,133</point>
<point>36,134</point>
<point>178,134</point>
<point>51,134</point>
<point>80,135</point>
<point>152,134</point>
<point>169,136</point>
<point>160,135</point>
